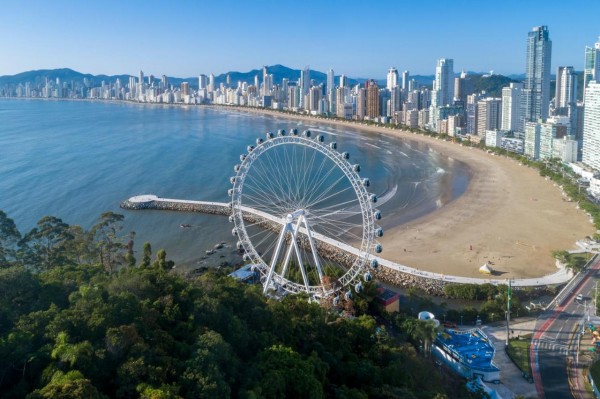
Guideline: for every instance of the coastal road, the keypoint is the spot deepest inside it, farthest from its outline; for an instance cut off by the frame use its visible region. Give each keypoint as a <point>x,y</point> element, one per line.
<point>554,330</point>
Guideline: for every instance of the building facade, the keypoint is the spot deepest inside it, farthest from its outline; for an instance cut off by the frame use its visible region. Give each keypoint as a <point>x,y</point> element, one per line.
<point>536,87</point>
<point>591,126</point>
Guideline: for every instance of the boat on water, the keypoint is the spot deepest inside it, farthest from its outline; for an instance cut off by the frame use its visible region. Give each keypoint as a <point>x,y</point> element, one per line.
<point>185,226</point>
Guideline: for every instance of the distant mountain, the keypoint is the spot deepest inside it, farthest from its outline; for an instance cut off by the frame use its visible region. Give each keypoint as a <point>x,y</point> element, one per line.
<point>490,84</point>
<point>64,74</point>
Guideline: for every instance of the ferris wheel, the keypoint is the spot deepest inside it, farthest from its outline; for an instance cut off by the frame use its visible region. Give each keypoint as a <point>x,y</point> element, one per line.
<point>303,216</point>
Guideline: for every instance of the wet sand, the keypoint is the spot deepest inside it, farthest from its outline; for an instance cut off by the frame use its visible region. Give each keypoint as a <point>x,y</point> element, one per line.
<point>509,217</point>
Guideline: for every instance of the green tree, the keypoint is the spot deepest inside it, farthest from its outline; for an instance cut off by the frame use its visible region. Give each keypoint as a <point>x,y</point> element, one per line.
<point>9,237</point>
<point>70,385</point>
<point>45,245</point>
<point>285,374</point>
<point>109,244</point>
<point>146,255</point>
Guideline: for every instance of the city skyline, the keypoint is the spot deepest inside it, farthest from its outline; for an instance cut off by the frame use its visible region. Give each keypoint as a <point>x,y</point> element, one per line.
<point>239,36</point>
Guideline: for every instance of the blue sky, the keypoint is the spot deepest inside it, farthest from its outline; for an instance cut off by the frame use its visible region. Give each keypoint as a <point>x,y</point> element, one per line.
<point>357,38</point>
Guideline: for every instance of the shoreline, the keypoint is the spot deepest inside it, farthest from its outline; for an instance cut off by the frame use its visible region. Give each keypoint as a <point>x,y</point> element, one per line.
<point>508,217</point>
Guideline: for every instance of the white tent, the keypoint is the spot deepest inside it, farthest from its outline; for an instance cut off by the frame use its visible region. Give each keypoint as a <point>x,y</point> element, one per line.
<point>486,269</point>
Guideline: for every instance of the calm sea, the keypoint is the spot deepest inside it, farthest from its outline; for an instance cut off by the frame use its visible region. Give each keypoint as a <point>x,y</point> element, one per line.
<point>77,159</point>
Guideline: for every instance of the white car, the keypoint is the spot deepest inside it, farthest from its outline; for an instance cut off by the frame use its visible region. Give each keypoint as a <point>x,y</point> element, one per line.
<point>579,297</point>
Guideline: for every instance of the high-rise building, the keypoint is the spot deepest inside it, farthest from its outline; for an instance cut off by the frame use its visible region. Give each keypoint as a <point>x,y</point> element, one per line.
<point>443,85</point>
<point>314,98</point>
<point>463,87</point>
<point>372,99</point>
<point>566,89</point>
<point>343,81</point>
<point>185,88</point>
<point>330,81</point>
<point>591,68</point>
<point>532,139</point>
<point>471,111</point>
<point>591,126</point>
<point>405,80</point>
<point>304,85</point>
<point>392,78</point>
<point>511,108</point>
<point>211,82</point>
<point>361,102</point>
<point>536,87</point>
<point>202,82</point>
<point>489,115</point>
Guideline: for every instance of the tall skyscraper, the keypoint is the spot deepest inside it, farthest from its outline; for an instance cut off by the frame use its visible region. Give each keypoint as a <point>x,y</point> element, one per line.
<point>405,80</point>
<point>536,88</point>
<point>372,99</point>
<point>591,126</point>
<point>392,78</point>
<point>566,88</point>
<point>330,82</point>
<point>343,81</point>
<point>511,107</point>
<point>211,83</point>
<point>443,85</point>
<point>591,68</point>
<point>304,85</point>
<point>202,82</point>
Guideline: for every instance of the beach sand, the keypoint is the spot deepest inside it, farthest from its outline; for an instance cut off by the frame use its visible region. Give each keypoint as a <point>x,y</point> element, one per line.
<point>509,217</point>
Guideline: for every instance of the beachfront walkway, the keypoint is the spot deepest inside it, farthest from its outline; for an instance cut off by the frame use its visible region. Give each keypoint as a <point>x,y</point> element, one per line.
<point>560,277</point>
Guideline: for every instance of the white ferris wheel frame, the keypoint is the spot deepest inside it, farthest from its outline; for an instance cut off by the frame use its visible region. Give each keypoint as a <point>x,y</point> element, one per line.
<point>296,222</point>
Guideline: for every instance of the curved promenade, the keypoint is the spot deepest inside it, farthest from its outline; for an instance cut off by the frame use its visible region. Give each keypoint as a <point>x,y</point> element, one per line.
<point>141,202</point>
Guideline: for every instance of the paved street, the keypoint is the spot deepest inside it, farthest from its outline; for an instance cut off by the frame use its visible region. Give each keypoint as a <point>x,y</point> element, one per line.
<point>554,331</point>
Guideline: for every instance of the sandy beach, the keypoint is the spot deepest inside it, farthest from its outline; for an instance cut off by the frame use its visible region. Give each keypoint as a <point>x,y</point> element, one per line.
<point>509,217</point>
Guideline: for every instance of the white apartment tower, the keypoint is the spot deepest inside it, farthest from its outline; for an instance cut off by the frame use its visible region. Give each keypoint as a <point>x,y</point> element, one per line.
<point>330,81</point>
<point>591,126</point>
<point>443,85</point>
<point>405,80</point>
<point>511,108</point>
<point>392,78</point>
<point>566,88</point>
<point>304,85</point>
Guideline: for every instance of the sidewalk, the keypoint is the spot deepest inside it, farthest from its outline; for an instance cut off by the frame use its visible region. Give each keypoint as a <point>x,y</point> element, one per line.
<point>578,366</point>
<point>512,382</point>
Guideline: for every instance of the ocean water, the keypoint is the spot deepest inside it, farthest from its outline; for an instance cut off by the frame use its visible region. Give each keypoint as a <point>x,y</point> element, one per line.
<point>77,159</point>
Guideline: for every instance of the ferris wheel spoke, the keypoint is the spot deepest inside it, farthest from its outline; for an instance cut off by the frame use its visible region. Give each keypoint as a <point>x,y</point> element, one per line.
<point>260,202</point>
<point>266,178</point>
<point>325,192</point>
<point>316,179</point>
<point>321,199</point>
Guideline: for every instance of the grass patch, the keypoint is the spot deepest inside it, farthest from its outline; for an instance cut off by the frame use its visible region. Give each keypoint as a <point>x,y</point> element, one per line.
<point>518,351</point>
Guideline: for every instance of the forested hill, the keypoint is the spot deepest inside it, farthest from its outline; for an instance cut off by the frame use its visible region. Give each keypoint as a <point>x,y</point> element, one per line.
<point>80,317</point>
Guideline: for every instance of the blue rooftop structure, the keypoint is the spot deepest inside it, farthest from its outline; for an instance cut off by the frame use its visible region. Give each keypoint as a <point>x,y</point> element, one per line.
<point>245,274</point>
<point>469,352</point>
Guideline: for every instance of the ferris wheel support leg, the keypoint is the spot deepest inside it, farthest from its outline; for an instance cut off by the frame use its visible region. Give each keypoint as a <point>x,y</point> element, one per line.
<point>298,256</point>
<point>313,249</point>
<point>294,232</point>
<point>274,261</point>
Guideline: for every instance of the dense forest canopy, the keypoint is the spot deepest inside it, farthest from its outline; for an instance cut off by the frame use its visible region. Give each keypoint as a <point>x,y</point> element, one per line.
<point>81,318</point>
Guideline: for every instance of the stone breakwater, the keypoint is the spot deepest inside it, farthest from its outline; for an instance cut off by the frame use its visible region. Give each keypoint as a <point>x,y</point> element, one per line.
<point>165,205</point>
<point>338,255</point>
